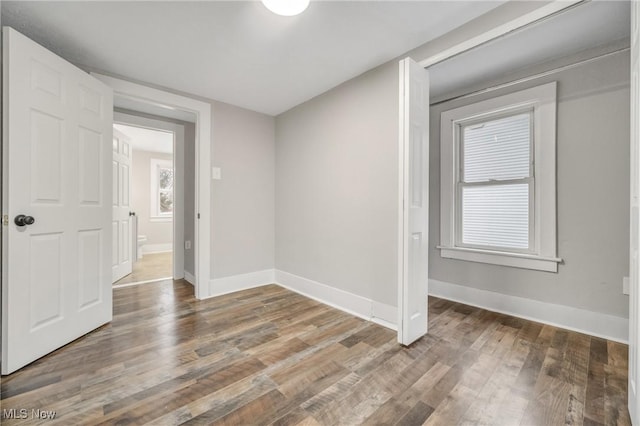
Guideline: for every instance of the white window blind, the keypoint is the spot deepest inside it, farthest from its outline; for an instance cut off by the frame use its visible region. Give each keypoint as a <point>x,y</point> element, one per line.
<point>497,149</point>
<point>496,183</point>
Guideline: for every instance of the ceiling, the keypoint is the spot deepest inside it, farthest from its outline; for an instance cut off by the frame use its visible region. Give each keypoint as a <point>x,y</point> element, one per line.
<point>147,139</point>
<point>582,28</point>
<point>237,51</point>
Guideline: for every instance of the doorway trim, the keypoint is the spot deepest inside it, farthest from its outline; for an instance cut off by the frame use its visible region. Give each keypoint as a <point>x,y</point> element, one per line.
<point>203,146</point>
<point>178,160</point>
<point>493,33</point>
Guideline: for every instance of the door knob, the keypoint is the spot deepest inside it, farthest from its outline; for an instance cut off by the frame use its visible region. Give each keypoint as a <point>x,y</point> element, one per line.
<point>22,220</point>
<point>132,213</point>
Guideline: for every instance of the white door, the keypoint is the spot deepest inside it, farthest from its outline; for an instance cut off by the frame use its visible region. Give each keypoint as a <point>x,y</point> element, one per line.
<point>634,264</point>
<point>413,255</point>
<point>56,275</point>
<point>122,216</point>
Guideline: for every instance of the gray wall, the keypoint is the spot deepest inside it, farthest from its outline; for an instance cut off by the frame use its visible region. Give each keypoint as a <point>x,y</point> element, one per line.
<point>336,187</point>
<point>336,175</point>
<point>242,202</point>
<point>592,196</point>
<point>189,194</point>
<point>156,232</point>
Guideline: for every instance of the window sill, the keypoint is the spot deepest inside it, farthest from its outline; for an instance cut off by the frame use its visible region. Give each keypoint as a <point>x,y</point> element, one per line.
<point>516,260</point>
<point>160,218</point>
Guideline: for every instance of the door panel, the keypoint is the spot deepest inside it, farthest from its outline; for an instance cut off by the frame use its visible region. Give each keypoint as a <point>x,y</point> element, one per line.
<point>122,259</point>
<point>90,162</point>
<point>90,253</point>
<point>46,160</point>
<point>56,151</point>
<point>414,202</point>
<point>45,305</point>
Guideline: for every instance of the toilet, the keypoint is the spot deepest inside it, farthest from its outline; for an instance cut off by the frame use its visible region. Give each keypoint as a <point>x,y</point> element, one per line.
<point>142,239</point>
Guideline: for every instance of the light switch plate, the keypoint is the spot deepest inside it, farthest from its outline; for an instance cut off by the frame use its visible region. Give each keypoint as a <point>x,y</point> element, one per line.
<point>625,285</point>
<point>216,173</point>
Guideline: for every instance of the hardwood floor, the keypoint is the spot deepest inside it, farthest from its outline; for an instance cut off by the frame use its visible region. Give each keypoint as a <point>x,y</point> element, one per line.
<point>152,266</point>
<point>270,356</point>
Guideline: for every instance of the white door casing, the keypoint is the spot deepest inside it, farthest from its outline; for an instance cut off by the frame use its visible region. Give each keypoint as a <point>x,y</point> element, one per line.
<point>122,221</point>
<point>56,276</point>
<point>413,238</point>
<point>204,259</point>
<point>634,240</point>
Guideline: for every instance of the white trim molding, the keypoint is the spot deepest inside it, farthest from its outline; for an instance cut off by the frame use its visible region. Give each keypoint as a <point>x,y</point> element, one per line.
<point>154,280</point>
<point>540,102</point>
<point>517,260</point>
<point>501,30</point>
<point>233,283</point>
<point>367,309</point>
<point>127,90</point>
<point>362,307</point>
<point>588,322</point>
<point>190,278</point>
<point>157,248</point>
<point>384,315</point>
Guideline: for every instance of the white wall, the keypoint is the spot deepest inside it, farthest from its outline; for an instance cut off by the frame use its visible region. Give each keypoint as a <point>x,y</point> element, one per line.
<point>592,196</point>
<point>336,187</point>
<point>157,233</point>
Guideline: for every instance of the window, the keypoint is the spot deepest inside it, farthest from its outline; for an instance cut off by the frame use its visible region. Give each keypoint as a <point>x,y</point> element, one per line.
<point>498,181</point>
<point>161,189</point>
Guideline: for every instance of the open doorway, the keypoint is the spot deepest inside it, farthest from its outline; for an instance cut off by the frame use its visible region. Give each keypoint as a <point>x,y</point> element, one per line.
<point>160,214</point>
<point>151,213</point>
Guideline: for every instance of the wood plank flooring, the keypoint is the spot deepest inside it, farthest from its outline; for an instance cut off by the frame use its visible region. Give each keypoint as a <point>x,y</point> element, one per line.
<point>270,356</point>
<point>152,266</point>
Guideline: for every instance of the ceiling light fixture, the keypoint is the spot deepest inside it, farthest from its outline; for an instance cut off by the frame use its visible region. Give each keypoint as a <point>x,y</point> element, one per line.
<point>286,7</point>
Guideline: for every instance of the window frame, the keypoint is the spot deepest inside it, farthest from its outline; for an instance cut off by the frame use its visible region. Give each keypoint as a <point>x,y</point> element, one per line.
<point>461,184</point>
<point>541,254</point>
<point>157,164</point>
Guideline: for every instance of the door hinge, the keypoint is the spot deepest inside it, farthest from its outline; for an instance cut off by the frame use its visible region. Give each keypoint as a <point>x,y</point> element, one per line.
<point>198,215</point>
<point>5,220</point>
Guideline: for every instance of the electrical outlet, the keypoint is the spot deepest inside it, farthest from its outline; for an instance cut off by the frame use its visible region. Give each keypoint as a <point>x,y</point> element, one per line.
<point>625,285</point>
<point>187,245</point>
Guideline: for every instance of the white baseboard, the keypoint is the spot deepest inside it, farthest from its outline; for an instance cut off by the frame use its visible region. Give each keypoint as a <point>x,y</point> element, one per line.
<point>593,323</point>
<point>385,315</point>
<point>220,286</point>
<point>190,278</point>
<point>157,248</point>
<point>359,306</point>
